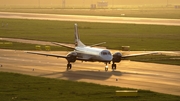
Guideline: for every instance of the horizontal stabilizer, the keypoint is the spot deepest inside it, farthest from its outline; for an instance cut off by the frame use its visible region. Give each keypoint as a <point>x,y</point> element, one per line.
<point>98,44</point>
<point>64,45</point>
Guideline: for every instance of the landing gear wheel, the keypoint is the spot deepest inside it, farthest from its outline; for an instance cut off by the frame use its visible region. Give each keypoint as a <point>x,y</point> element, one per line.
<point>106,68</point>
<point>69,66</point>
<point>113,67</point>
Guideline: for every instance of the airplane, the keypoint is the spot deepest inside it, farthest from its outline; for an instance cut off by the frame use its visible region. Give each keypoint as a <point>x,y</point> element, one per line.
<point>89,53</point>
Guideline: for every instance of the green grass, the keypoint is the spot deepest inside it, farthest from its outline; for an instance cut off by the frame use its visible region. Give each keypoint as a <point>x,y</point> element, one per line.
<point>23,46</point>
<point>162,59</point>
<point>17,87</point>
<point>138,37</point>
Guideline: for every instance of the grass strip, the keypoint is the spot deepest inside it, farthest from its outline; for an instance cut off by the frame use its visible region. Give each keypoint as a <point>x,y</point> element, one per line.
<point>162,59</point>
<point>24,46</point>
<point>20,87</point>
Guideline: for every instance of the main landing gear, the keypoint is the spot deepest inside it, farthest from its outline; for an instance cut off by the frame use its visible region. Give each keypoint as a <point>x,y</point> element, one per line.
<point>113,67</point>
<point>69,66</point>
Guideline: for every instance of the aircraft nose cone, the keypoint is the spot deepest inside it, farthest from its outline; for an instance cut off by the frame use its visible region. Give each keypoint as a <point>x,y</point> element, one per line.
<point>110,57</point>
<point>107,58</point>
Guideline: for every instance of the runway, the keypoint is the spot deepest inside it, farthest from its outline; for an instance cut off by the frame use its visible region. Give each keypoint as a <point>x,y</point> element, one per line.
<point>85,18</point>
<point>138,75</point>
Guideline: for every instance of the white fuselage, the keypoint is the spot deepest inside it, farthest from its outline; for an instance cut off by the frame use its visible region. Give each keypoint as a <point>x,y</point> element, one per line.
<point>93,54</point>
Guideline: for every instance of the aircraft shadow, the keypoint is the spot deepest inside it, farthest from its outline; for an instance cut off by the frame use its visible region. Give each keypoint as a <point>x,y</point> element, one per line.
<point>83,74</point>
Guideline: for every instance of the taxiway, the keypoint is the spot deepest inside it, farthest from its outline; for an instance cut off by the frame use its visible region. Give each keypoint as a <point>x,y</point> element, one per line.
<point>149,76</point>
<point>86,18</point>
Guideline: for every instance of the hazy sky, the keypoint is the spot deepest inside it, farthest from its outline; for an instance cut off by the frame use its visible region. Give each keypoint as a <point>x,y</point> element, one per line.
<point>87,2</point>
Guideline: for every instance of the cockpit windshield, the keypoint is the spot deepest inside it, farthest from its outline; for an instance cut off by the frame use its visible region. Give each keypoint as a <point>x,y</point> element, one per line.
<point>105,53</point>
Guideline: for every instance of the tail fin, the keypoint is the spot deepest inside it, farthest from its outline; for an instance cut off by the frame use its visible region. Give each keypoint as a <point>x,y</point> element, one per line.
<point>78,43</point>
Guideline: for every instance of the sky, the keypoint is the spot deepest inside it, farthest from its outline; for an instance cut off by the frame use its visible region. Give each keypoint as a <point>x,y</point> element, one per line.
<point>87,2</point>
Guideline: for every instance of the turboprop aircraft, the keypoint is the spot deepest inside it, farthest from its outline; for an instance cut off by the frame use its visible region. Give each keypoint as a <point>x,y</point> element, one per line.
<point>89,53</point>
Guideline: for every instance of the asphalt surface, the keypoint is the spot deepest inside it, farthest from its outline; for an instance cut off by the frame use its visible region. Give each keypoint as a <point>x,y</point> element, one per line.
<point>149,76</point>
<point>85,18</point>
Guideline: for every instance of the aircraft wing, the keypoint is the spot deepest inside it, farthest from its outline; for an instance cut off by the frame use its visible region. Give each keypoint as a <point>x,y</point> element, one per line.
<point>45,54</point>
<point>140,54</point>
<point>64,45</point>
<point>58,56</point>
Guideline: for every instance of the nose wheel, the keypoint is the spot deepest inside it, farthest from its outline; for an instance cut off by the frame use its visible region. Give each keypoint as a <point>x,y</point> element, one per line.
<point>106,68</point>
<point>69,66</point>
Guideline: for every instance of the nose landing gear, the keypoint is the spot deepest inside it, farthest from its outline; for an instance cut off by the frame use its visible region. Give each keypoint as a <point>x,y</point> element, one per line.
<point>106,68</point>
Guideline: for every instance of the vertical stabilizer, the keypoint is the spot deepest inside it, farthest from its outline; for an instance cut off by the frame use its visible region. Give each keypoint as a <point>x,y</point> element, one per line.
<point>78,43</point>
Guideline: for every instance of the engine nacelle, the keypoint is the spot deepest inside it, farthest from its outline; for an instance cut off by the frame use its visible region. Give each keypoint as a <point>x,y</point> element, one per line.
<point>71,57</point>
<point>117,57</point>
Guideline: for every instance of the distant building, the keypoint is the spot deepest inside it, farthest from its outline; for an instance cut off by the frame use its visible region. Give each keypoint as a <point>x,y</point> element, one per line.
<point>102,4</point>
